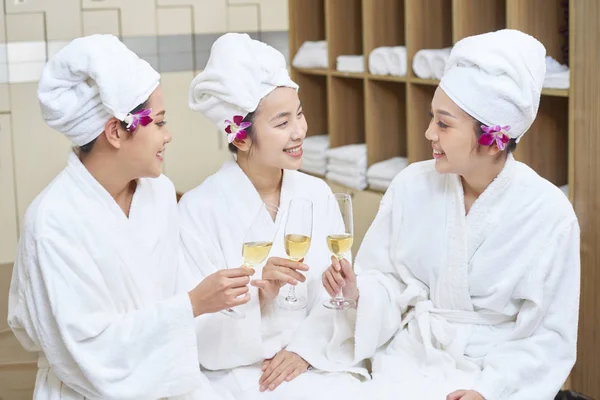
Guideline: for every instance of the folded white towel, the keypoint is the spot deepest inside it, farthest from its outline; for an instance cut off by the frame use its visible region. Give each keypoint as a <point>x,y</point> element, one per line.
<point>388,169</point>
<point>358,184</point>
<point>557,75</point>
<point>430,63</point>
<point>388,61</point>
<point>350,171</point>
<point>322,163</point>
<point>314,158</point>
<point>353,154</point>
<point>321,171</point>
<point>351,63</point>
<point>311,55</point>
<point>378,184</point>
<point>565,189</point>
<point>317,144</point>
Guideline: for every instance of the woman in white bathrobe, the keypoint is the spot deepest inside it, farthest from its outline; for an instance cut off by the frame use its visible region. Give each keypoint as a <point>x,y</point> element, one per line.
<point>94,289</point>
<point>249,355</point>
<point>467,281</point>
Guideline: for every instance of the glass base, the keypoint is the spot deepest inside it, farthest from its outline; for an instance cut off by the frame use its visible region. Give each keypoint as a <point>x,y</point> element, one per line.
<point>230,312</point>
<point>339,303</point>
<point>292,303</point>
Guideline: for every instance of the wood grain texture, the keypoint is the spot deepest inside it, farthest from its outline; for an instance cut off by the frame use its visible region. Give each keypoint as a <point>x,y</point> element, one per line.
<point>344,28</point>
<point>385,120</point>
<point>585,124</point>
<point>346,111</point>
<point>472,17</point>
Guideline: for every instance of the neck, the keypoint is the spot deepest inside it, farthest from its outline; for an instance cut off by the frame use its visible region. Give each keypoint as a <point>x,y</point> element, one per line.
<point>111,177</point>
<point>266,180</point>
<point>476,182</point>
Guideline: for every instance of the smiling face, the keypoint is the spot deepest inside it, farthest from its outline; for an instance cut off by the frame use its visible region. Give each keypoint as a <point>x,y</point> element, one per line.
<point>142,151</point>
<point>278,129</point>
<point>453,139</point>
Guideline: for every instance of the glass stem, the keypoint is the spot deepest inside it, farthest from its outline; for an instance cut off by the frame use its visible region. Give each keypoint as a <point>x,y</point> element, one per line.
<point>340,296</point>
<point>291,297</point>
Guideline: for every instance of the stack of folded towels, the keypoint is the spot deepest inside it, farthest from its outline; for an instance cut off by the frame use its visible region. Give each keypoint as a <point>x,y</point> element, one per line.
<point>314,160</point>
<point>311,55</point>
<point>351,64</point>
<point>557,75</point>
<point>430,63</point>
<point>348,166</point>
<point>388,61</point>
<point>381,174</point>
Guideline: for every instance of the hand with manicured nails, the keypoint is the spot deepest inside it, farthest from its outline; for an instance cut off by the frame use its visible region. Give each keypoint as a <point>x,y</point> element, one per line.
<point>285,366</point>
<point>340,277</point>
<point>221,290</point>
<point>276,273</point>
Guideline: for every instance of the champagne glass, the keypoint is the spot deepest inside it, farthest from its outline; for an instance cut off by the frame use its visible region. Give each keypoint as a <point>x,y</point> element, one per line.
<point>297,237</point>
<point>257,244</point>
<point>339,240</point>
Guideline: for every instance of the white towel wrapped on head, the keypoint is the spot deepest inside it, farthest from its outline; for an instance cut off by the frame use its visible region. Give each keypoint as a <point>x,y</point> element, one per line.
<point>226,89</point>
<point>430,63</point>
<point>351,64</point>
<point>388,169</point>
<point>388,61</point>
<point>311,55</point>
<point>557,75</point>
<point>497,78</point>
<point>91,80</point>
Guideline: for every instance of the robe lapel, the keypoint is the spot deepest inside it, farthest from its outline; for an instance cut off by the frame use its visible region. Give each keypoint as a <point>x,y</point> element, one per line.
<point>485,213</point>
<point>452,289</point>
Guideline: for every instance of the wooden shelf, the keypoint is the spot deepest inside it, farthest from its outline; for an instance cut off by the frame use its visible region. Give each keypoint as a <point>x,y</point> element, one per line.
<point>545,147</point>
<point>312,71</point>
<point>313,94</point>
<point>385,104</point>
<point>473,17</point>
<point>307,22</point>
<point>430,82</point>
<point>352,75</point>
<point>346,111</point>
<point>386,78</point>
<point>556,92</point>
<point>343,29</point>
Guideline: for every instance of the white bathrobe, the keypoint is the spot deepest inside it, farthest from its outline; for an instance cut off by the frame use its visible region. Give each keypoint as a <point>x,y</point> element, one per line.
<point>487,302</point>
<point>95,294</point>
<point>214,219</point>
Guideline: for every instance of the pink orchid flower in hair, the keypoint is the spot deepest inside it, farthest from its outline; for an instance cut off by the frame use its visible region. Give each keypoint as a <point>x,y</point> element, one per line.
<point>237,128</point>
<point>141,117</point>
<point>496,134</point>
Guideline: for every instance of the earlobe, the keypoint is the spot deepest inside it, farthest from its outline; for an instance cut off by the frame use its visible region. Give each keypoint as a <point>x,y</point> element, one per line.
<point>241,144</point>
<point>113,133</point>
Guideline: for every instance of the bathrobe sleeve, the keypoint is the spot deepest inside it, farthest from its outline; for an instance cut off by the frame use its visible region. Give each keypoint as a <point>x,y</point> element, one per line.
<point>358,333</point>
<point>537,360</point>
<point>218,335</point>
<point>340,341</point>
<point>60,304</point>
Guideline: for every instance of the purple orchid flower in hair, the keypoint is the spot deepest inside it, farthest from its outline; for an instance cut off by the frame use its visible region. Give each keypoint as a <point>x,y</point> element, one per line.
<point>496,134</point>
<point>237,128</point>
<point>141,117</point>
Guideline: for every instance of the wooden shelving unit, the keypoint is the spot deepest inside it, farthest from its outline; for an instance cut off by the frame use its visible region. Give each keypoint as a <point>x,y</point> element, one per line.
<point>390,114</point>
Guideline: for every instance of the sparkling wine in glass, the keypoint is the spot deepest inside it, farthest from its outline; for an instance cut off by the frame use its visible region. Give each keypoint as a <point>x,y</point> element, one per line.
<point>339,240</point>
<point>297,238</point>
<point>257,244</point>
